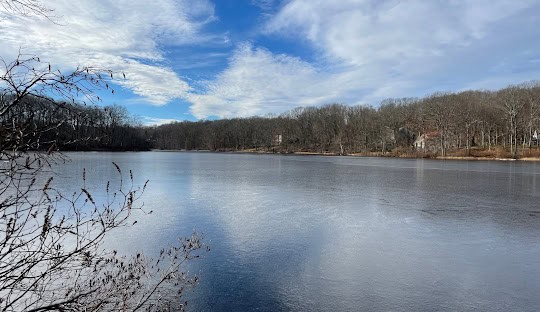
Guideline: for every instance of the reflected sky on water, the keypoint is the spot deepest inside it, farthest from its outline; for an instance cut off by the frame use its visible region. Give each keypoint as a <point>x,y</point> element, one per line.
<point>338,233</point>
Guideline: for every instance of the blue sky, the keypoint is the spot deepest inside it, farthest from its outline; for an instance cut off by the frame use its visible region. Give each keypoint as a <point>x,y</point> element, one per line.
<point>203,59</point>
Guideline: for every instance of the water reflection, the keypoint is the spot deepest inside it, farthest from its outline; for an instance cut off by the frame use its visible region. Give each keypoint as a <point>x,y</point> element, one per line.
<point>342,233</point>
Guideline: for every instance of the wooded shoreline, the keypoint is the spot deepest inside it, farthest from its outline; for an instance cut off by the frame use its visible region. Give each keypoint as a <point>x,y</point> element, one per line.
<point>503,124</point>
<point>358,155</point>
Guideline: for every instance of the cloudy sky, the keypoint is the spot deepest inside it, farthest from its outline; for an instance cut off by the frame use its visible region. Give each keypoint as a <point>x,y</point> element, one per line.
<point>207,59</point>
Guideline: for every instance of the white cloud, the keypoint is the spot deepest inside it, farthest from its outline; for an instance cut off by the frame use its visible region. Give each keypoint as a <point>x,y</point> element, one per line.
<point>370,50</point>
<point>123,35</point>
<point>362,32</point>
<point>364,50</point>
<point>404,46</point>
<point>153,121</point>
<point>259,82</point>
<point>265,5</point>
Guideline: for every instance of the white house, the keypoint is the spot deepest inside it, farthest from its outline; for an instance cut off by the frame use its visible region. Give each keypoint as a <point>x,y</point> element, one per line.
<point>277,139</point>
<point>427,141</point>
<point>420,142</point>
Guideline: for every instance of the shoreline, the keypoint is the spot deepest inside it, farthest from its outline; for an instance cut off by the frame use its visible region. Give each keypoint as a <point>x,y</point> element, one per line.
<point>359,155</point>
<point>468,158</point>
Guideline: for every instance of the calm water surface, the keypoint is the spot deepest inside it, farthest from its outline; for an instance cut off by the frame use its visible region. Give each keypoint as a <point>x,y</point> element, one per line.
<point>297,233</point>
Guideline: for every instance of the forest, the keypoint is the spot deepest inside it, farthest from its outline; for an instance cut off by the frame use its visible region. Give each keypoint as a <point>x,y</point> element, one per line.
<point>502,123</point>
<point>69,127</point>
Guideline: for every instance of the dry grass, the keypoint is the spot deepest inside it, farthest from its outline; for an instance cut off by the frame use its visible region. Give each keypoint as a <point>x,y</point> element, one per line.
<point>493,153</point>
<point>475,153</point>
<point>531,152</point>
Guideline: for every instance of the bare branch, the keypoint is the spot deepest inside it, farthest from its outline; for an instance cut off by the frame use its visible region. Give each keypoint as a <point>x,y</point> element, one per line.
<point>27,7</point>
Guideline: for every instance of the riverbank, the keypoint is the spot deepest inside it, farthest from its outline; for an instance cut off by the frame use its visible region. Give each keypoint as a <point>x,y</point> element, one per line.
<point>309,153</point>
<point>387,155</point>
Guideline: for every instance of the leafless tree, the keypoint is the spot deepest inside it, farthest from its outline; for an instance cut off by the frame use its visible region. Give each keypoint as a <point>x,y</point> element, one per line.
<point>532,116</point>
<point>51,254</point>
<point>51,244</point>
<point>27,7</point>
<point>441,114</point>
<point>512,105</point>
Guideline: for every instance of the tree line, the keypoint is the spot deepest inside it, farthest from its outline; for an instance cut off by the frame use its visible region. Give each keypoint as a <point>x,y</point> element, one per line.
<point>51,243</point>
<point>71,126</point>
<point>504,122</point>
<point>52,256</point>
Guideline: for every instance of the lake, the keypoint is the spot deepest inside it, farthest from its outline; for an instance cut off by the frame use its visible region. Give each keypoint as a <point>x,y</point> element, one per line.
<point>310,233</point>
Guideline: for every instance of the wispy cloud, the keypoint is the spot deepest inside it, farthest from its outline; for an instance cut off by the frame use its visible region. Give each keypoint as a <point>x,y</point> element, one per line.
<point>370,50</point>
<point>362,32</point>
<point>401,47</point>
<point>259,82</point>
<point>153,121</point>
<point>265,5</point>
<point>352,51</point>
<point>124,35</point>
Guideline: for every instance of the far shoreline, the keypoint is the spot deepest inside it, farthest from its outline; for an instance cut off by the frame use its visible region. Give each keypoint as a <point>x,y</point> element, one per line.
<point>358,155</point>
